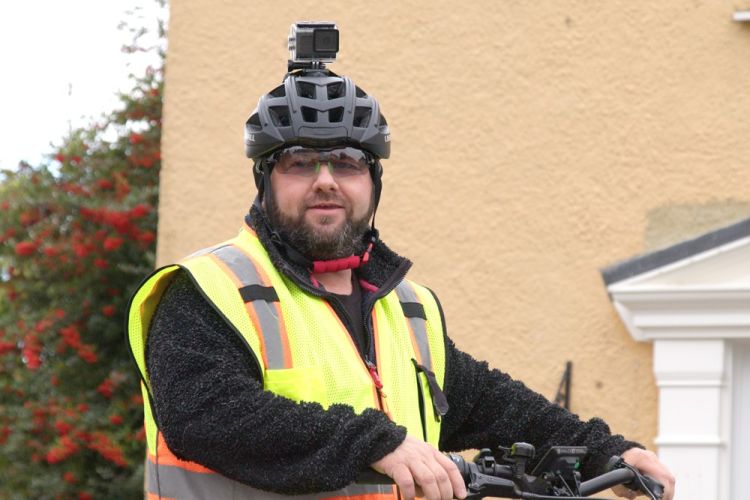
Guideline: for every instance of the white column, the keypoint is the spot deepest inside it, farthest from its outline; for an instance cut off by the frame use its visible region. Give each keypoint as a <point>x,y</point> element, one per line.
<point>694,377</point>
<point>740,442</point>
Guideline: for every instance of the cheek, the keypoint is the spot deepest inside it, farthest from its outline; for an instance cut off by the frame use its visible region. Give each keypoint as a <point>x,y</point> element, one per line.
<point>364,199</point>
<point>291,203</point>
<point>289,197</point>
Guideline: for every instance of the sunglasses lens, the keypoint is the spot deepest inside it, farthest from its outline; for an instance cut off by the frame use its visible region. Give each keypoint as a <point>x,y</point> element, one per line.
<point>347,162</point>
<point>306,162</point>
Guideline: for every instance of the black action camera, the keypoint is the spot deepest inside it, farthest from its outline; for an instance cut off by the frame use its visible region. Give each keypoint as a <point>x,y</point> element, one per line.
<point>312,44</point>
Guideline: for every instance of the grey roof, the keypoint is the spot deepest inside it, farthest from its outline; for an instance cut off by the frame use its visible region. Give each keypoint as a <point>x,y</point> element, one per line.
<point>653,260</point>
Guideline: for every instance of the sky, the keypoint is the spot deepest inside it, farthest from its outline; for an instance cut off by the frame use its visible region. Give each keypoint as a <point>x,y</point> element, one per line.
<point>61,65</point>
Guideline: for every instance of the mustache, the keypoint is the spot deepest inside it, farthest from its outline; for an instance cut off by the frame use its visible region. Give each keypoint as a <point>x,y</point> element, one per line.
<point>325,198</point>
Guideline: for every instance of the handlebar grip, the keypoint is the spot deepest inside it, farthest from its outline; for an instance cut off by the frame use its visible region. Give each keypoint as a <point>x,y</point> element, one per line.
<point>620,476</point>
<point>605,481</point>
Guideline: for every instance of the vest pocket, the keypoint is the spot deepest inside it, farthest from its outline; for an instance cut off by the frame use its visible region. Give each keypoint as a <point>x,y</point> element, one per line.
<point>303,383</point>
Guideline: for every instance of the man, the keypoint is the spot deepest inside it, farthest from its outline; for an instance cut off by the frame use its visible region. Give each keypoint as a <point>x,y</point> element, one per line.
<point>289,359</point>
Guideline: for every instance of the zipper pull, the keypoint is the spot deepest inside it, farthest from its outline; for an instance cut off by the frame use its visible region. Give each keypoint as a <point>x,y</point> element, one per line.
<point>374,374</point>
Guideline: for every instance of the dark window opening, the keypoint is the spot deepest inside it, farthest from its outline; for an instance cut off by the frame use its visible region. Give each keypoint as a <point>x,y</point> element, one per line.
<point>335,115</point>
<point>279,91</point>
<point>254,122</point>
<point>309,114</point>
<point>362,116</point>
<point>306,89</point>
<point>336,90</point>
<point>280,116</point>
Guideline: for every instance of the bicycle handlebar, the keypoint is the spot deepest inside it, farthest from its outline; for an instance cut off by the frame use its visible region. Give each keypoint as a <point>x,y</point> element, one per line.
<point>556,476</point>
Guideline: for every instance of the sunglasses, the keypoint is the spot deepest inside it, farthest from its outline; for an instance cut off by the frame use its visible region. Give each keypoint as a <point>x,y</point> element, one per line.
<point>300,161</point>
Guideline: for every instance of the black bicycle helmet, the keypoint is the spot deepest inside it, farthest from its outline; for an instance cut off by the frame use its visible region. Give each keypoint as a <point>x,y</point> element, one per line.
<point>316,108</point>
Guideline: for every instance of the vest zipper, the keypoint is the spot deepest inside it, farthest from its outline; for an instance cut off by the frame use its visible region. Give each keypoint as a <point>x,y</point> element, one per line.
<point>367,361</point>
<point>378,384</point>
<point>371,358</point>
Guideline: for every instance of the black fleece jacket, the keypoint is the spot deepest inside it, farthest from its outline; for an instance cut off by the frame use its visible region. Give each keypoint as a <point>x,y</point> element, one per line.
<point>212,409</point>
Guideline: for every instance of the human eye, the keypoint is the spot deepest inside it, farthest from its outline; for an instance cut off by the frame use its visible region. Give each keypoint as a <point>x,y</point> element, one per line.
<point>299,166</point>
<point>346,167</point>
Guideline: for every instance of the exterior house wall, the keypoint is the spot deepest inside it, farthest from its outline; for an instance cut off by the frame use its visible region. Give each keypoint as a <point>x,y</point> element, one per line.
<point>533,143</point>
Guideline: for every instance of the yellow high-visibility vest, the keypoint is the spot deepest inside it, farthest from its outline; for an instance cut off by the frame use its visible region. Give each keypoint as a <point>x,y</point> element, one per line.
<point>304,352</point>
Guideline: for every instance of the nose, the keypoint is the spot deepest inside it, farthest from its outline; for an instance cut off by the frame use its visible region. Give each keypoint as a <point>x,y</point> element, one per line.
<point>324,180</point>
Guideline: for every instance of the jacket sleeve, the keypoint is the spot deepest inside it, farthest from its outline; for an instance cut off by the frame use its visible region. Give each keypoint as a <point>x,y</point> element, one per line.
<point>212,409</point>
<point>488,408</point>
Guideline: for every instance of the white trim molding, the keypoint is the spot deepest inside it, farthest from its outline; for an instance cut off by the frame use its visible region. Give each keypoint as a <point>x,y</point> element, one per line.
<point>696,311</point>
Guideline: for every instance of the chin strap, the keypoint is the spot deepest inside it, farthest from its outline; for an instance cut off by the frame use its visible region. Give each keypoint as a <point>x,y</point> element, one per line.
<point>351,262</point>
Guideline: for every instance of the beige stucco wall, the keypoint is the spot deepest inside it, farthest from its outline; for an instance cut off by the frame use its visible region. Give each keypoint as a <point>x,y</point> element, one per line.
<point>533,144</point>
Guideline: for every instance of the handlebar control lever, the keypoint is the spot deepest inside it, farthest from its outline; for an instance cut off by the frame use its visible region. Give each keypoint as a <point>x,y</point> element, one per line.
<point>521,453</point>
<point>484,484</point>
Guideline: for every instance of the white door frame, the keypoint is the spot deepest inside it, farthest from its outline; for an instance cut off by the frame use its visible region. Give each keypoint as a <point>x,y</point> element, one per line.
<point>696,311</point>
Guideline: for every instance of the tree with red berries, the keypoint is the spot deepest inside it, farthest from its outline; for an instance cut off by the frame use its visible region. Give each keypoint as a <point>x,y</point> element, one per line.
<point>77,234</point>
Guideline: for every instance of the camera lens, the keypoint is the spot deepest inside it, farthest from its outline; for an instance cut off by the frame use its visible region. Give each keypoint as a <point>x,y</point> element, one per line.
<point>326,40</point>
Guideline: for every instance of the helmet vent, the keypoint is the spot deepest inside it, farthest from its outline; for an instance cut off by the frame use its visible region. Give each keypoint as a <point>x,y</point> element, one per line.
<point>309,114</point>
<point>336,90</point>
<point>280,115</point>
<point>360,92</point>
<point>382,122</point>
<point>362,116</point>
<point>306,89</point>
<point>254,122</point>
<point>335,115</point>
<point>279,91</point>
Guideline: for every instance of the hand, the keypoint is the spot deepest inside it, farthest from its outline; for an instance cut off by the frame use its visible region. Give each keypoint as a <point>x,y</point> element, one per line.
<point>647,463</point>
<point>415,465</point>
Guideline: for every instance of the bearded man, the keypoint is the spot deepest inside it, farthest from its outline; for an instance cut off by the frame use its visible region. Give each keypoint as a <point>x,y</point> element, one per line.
<point>291,358</point>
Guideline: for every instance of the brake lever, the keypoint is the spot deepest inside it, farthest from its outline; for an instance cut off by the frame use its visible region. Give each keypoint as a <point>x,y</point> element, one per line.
<point>646,485</point>
<point>641,482</point>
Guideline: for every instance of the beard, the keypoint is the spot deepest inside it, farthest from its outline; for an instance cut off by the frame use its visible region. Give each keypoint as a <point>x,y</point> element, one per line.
<point>322,244</point>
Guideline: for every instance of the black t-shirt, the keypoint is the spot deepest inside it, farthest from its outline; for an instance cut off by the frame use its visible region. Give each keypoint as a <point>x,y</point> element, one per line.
<point>352,304</point>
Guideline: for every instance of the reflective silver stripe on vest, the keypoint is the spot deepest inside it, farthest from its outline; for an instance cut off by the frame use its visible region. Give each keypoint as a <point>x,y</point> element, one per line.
<point>240,265</point>
<point>204,251</point>
<point>406,294</point>
<point>246,273</point>
<point>181,484</point>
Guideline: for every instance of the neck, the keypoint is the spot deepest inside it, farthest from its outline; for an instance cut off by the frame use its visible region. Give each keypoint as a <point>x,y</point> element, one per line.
<point>339,282</point>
